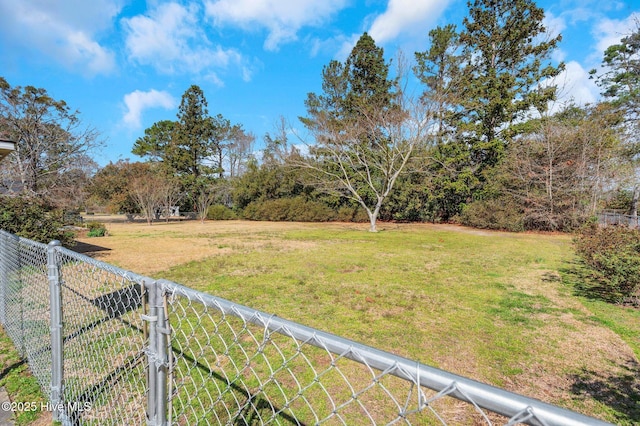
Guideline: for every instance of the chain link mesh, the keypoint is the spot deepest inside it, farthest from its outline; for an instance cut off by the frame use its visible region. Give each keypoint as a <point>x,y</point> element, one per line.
<point>200,360</point>
<point>25,304</point>
<point>104,342</point>
<point>229,364</point>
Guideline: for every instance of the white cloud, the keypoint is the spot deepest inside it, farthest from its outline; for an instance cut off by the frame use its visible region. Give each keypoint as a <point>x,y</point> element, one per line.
<point>170,39</point>
<point>405,16</point>
<point>406,19</point>
<point>282,18</point>
<point>574,86</point>
<point>63,31</point>
<point>138,101</point>
<point>97,59</point>
<point>608,32</point>
<point>347,46</point>
<point>555,26</point>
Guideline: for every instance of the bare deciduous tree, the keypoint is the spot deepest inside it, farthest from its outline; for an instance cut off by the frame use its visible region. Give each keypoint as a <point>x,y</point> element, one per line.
<point>560,172</point>
<point>170,195</point>
<point>50,138</point>
<point>365,128</point>
<point>239,150</point>
<point>347,163</point>
<point>148,193</point>
<point>206,198</point>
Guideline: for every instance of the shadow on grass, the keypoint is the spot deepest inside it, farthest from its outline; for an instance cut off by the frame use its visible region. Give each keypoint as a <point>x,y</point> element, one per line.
<point>88,249</point>
<point>9,368</point>
<point>581,279</point>
<point>621,393</point>
<point>253,407</point>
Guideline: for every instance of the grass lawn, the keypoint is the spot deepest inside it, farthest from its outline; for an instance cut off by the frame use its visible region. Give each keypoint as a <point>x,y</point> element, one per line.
<point>20,384</point>
<point>495,307</point>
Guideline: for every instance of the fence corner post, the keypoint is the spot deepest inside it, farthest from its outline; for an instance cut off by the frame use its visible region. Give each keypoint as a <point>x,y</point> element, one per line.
<point>55,306</point>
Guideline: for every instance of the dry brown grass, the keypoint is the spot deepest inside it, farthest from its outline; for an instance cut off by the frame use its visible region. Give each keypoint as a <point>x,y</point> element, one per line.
<point>148,249</point>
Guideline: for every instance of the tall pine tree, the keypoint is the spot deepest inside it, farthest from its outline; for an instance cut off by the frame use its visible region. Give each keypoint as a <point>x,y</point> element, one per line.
<point>192,143</point>
<point>491,74</point>
<point>621,86</point>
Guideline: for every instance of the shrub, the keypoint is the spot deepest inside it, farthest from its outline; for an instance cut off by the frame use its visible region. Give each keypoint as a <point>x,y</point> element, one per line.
<point>289,209</point>
<point>495,213</point>
<point>220,212</point>
<point>612,255</point>
<point>97,233</point>
<point>352,214</point>
<point>33,218</point>
<point>96,229</point>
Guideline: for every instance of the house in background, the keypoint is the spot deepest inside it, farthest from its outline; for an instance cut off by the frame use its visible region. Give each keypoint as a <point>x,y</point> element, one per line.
<point>6,147</point>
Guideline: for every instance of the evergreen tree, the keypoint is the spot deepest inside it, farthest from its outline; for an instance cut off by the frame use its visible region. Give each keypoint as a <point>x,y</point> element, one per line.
<point>485,79</point>
<point>621,87</point>
<point>157,138</point>
<point>437,70</point>
<point>621,82</point>
<point>369,88</point>
<point>192,140</point>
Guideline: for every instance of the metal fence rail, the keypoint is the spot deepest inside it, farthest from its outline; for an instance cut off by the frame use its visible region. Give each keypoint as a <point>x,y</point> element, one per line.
<point>112,347</point>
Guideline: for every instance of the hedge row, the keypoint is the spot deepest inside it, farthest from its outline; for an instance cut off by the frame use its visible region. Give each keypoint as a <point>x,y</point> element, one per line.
<point>297,209</point>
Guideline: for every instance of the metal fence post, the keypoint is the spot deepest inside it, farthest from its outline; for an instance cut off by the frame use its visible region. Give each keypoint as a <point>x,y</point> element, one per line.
<point>157,365</point>
<point>55,306</point>
<point>152,318</point>
<point>162,363</point>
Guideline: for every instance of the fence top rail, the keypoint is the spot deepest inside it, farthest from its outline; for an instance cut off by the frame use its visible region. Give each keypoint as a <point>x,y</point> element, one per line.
<point>23,240</point>
<point>131,276</point>
<point>488,397</point>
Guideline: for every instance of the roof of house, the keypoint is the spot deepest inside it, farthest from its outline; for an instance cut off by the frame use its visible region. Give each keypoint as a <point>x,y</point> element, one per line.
<point>6,147</point>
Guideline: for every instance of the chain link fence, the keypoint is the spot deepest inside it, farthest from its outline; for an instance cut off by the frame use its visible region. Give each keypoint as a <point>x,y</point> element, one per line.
<point>103,342</point>
<point>112,347</point>
<point>24,302</point>
<point>609,217</point>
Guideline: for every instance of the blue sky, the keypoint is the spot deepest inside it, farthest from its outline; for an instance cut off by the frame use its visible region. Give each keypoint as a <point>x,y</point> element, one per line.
<point>124,64</point>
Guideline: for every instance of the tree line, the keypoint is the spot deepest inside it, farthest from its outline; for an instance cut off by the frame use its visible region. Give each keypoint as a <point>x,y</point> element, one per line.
<point>468,130</point>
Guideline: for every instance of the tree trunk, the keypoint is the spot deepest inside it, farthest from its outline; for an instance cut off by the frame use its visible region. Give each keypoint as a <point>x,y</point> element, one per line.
<point>373,217</point>
<point>634,202</point>
<point>372,222</point>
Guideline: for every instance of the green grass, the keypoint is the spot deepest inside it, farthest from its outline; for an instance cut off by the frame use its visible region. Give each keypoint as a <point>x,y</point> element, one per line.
<point>414,285</point>
<point>477,305</point>
<point>18,381</point>
<point>624,321</point>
